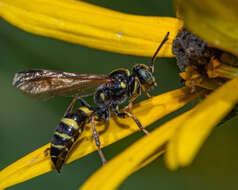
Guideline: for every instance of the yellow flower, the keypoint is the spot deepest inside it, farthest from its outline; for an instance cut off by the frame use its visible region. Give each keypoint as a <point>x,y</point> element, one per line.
<point>180,138</point>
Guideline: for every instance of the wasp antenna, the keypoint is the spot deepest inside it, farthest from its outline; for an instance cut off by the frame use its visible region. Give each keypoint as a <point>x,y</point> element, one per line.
<point>157,51</point>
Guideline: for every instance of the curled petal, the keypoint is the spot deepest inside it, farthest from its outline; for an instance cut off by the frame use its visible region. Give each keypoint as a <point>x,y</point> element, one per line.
<point>191,135</point>
<point>72,21</point>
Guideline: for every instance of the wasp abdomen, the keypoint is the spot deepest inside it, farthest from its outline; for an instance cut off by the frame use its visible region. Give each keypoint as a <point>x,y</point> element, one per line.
<point>62,141</point>
<point>66,134</point>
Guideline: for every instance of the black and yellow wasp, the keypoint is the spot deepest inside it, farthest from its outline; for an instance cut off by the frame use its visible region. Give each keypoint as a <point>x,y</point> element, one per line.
<point>109,91</point>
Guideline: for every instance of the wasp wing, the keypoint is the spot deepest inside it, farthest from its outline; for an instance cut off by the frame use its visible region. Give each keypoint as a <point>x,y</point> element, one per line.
<point>45,84</point>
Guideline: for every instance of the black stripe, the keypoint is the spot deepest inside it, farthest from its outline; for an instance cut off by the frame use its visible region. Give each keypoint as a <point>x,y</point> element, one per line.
<point>55,151</point>
<point>79,116</point>
<point>57,140</point>
<point>65,129</point>
<point>59,159</point>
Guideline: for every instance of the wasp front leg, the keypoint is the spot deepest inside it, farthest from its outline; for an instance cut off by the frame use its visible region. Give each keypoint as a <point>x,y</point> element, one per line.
<point>146,92</point>
<point>135,93</point>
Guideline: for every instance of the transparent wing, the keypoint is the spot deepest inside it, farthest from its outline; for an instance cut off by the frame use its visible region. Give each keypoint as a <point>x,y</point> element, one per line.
<point>45,84</point>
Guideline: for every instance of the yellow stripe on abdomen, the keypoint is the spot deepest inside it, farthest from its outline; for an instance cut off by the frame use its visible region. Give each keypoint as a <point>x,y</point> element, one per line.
<point>70,123</point>
<point>86,110</point>
<point>63,135</point>
<point>58,146</point>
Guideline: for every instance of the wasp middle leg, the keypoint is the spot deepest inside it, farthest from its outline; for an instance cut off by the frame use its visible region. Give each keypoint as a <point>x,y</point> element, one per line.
<point>126,114</point>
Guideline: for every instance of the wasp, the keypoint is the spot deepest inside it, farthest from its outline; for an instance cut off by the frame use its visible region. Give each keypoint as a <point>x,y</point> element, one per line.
<point>109,91</point>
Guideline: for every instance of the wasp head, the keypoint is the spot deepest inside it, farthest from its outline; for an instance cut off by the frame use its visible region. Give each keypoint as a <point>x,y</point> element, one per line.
<point>145,75</point>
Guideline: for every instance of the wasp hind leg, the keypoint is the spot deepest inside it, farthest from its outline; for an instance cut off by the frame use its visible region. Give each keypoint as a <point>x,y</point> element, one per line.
<point>97,141</point>
<point>81,101</point>
<point>46,152</point>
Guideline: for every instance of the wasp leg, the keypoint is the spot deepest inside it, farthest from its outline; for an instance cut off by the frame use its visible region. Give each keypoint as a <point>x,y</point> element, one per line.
<point>138,93</point>
<point>83,103</point>
<point>129,106</point>
<point>46,152</point>
<point>80,100</point>
<point>146,92</point>
<point>70,107</point>
<point>97,141</point>
<point>126,114</point>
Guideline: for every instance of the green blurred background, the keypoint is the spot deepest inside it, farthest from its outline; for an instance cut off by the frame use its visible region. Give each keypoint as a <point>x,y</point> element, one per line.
<point>26,124</point>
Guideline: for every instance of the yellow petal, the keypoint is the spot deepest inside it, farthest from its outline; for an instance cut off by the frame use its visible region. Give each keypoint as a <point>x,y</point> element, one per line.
<point>148,111</point>
<point>92,26</point>
<point>190,136</point>
<point>119,168</point>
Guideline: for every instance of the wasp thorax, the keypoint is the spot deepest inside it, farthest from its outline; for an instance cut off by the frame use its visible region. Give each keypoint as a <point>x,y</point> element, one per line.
<point>103,96</point>
<point>102,113</point>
